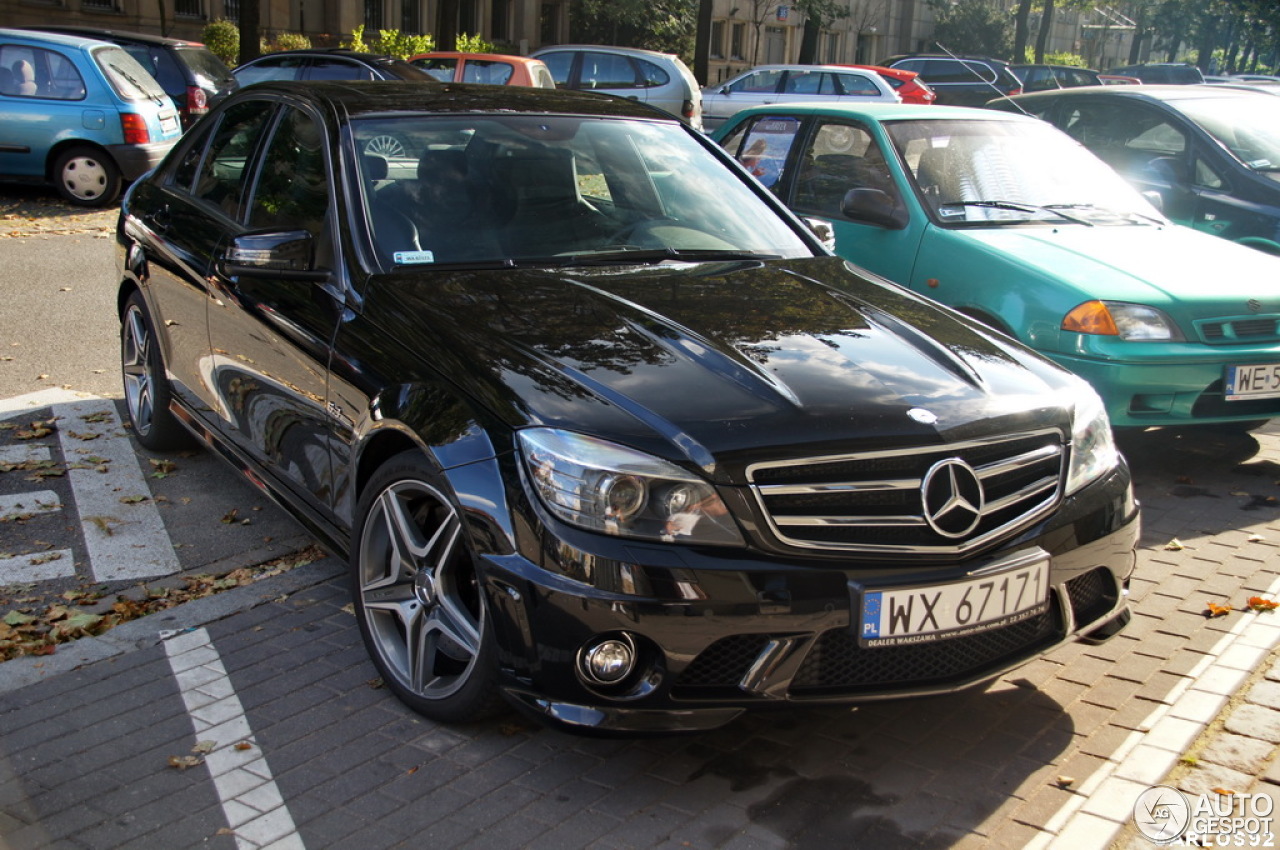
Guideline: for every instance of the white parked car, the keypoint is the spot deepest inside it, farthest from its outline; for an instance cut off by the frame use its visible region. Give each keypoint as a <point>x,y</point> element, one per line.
<point>767,84</point>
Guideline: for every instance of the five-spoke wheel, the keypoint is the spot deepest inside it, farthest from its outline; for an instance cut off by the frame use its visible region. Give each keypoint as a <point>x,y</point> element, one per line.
<point>421,608</point>
<point>146,390</point>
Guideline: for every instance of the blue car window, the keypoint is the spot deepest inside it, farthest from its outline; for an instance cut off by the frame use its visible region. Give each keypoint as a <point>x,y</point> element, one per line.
<point>35,72</point>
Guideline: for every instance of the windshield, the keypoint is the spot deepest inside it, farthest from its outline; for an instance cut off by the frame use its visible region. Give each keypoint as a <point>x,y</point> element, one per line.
<point>130,80</point>
<point>1012,172</point>
<point>557,189</point>
<point>1249,127</point>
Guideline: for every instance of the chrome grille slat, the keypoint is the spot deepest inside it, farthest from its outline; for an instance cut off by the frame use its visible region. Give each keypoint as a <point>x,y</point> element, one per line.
<point>872,502</point>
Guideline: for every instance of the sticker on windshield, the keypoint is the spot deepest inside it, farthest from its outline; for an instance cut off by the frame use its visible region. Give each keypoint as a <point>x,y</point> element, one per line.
<point>408,257</point>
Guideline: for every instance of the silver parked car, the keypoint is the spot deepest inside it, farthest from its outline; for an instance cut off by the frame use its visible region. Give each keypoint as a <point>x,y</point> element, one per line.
<point>767,84</point>
<point>658,79</point>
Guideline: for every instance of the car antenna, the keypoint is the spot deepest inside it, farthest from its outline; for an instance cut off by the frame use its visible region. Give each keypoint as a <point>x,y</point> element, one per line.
<point>990,83</point>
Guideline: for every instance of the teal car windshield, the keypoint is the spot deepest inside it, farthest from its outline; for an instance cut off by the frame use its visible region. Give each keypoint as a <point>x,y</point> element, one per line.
<point>1012,172</point>
<point>1252,135</point>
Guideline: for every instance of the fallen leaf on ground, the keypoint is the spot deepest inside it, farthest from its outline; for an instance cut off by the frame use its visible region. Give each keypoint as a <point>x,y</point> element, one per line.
<point>1216,610</point>
<point>184,762</point>
<point>1259,603</point>
<point>1174,545</point>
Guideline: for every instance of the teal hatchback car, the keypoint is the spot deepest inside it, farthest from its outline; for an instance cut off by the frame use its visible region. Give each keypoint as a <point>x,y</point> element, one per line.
<point>1012,222</point>
<point>80,114</point>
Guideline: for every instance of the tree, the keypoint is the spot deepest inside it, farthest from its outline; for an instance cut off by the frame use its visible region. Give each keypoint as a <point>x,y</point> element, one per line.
<point>972,26</point>
<point>1021,29</point>
<point>666,25</point>
<point>818,15</point>
<point>250,25</point>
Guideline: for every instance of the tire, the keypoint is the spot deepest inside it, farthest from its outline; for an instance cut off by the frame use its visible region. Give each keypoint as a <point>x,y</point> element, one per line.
<point>87,177</point>
<point>146,390</point>
<point>418,598</point>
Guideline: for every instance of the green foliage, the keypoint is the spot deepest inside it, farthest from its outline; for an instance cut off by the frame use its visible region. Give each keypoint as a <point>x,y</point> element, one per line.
<point>973,26</point>
<point>222,37</point>
<point>390,43</point>
<point>473,44</point>
<point>1074,60</point>
<point>285,41</point>
<point>666,25</point>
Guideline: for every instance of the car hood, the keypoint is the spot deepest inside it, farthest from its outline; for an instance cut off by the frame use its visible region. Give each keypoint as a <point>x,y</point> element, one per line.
<point>701,362</point>
<point>1189,274</point>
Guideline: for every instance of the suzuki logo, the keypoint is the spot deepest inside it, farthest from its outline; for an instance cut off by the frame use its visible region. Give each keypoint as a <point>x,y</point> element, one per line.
<point>952,497</point>
<point>1254,305</point>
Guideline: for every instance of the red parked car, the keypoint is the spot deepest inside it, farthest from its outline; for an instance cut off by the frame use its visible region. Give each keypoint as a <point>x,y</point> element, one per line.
<point>905,83</point>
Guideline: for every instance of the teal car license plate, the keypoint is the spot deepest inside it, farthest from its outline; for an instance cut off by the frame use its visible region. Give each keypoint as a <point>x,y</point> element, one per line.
<point>1257,381</point>
<point>909,615</point>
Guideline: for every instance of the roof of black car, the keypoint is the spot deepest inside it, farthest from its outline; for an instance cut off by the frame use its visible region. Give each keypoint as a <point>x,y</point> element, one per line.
<point>361,97</point>
<point>332,51</point>
<point>1163,93</point>
<point>107,34</point>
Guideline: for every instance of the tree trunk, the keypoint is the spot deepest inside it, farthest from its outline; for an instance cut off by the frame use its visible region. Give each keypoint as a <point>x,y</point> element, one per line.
<point>447,25</point>
<point>1046,26</point>
<point>1206,43</point>
<point>702,44</point>
<point>809,42</point>
<point>1021,30</point>
<point>250,18</point>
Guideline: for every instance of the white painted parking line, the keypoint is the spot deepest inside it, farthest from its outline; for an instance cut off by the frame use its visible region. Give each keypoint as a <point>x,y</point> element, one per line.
<point>38,566</point>
<point>23,405</point>
<point>14,505</point>
<point>123,532</point>
<point>254,807</point>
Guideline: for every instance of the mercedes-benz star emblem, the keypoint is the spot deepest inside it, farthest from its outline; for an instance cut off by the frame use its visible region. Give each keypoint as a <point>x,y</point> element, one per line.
<point>953,498</point>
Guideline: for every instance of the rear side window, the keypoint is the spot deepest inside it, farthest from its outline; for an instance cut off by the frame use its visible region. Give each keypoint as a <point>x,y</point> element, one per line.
<point>487,72</point>
<point>440,68</point>
<point>763,147</point>
<point>652,75</point>
<point>858,84</point>
<point>35,72</point>
<point>607,71</point>
<point>810,82</point>
<point>283,68</point>
<point>337,69</point>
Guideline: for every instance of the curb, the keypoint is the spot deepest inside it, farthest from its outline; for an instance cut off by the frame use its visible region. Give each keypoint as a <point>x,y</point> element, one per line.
<point>150,630</point>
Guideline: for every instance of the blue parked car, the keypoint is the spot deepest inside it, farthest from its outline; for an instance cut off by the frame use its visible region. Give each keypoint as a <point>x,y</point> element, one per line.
<point>80,114</point>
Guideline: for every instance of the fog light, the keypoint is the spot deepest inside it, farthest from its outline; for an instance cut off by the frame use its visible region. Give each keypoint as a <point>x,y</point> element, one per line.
<point>609,661</point>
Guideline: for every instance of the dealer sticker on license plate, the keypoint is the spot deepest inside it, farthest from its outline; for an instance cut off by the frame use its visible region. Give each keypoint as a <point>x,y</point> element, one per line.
<point>1257,381</point>
<point>909,615</point>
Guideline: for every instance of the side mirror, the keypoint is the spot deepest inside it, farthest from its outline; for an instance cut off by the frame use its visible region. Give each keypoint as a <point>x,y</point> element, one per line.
<point>282,254</point>
<point>873,206</point>
<point>1166,168</point>
<point>1155,199</point>
<point>824,231</point>
<point>725,90</point>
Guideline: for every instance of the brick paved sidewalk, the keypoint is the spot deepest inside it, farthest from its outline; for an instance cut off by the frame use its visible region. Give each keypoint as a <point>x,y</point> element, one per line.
<point>84,754</point>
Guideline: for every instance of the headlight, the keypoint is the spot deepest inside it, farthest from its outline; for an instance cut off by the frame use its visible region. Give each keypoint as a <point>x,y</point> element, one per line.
<point>1093,447</point>
<point>1134,322</point>
<point>601,486</point>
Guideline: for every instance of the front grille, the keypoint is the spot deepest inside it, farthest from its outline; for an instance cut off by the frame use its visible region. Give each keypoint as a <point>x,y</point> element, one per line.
<point>1235,330</point>
<point>724,663</point>
<point>837,665</point>
<point>1092,595</point>
<point>873,501</point>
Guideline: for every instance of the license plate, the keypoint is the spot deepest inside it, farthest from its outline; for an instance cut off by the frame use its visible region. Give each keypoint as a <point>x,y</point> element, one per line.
<point>910,615</point>
<point>169,124</point>
<point>1257,381</point>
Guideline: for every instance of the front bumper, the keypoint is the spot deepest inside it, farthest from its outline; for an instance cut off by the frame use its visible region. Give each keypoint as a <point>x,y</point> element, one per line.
<point>718,634</point>
<point>1172,393</point>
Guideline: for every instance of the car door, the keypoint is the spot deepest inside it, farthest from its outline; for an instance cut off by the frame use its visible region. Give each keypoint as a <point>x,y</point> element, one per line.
<point>195,213</point>
<point>36,111</point>
<point>270,333</point>
<point>1144,144</point>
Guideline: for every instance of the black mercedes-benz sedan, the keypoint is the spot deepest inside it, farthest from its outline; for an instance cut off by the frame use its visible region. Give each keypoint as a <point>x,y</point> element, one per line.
<point>602,428</point>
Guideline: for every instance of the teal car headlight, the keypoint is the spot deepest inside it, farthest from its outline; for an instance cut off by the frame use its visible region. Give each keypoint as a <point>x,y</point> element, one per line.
<point>1133,322</point>
<point>1093,446</point>
<point>612,489</point>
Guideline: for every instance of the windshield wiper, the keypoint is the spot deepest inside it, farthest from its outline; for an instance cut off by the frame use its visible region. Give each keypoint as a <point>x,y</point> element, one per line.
<point>1055,209</point>
<point>658,255</point>
<point>1106,210</point>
